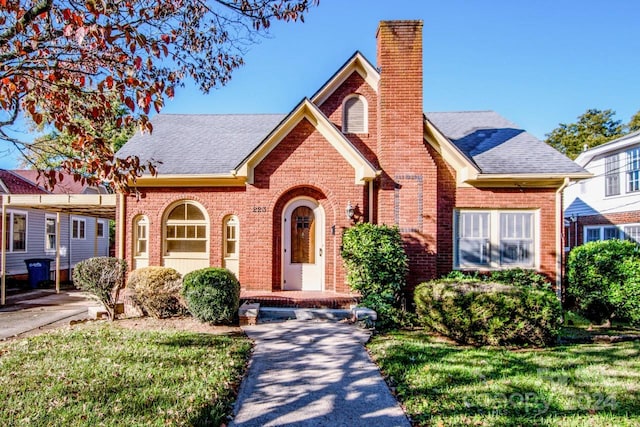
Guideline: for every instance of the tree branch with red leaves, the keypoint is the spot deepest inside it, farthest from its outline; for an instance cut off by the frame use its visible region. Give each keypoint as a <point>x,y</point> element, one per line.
<point>64,62</point>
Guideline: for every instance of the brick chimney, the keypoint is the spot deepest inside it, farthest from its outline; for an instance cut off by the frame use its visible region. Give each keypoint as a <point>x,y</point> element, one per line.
<point>406,191</point>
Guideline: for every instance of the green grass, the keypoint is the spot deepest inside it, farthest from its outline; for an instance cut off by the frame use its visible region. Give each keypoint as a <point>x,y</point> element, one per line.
<point>442,384</point>
<point>101,374</point>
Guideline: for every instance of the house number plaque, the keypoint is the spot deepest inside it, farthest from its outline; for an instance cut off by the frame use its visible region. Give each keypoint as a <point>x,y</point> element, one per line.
<point>259,209</point>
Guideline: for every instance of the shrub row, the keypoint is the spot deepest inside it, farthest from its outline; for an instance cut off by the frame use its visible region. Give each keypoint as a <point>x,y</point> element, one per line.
<point>477,312</point>
<point>604,280</point>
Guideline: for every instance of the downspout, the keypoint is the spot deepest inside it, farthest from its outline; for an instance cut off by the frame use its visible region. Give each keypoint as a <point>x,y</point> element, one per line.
<point>120,226</point>
<point>58,253</point>
<point>559,229</point>
<point>371,202</point>
<point>4,254</point>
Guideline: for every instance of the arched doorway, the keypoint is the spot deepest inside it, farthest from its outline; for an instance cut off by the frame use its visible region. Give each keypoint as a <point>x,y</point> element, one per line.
<point>303,245</point>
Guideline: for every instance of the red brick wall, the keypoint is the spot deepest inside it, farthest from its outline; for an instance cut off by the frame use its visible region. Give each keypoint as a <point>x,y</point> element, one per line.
<point>630,217</point>
<point>303,164</point>
<point>513,198</point>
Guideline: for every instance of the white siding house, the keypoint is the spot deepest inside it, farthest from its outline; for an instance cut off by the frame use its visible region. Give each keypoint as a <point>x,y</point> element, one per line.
<point>607,205</point>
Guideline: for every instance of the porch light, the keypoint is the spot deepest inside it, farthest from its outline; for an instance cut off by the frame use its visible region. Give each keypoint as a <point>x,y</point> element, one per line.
<point>350,211</point>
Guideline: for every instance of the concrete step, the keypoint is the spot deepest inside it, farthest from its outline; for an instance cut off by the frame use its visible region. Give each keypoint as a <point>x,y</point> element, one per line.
<point>280,314</point>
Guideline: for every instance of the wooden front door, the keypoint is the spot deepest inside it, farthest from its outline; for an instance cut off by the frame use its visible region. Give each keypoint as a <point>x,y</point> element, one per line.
<point>303,246</point>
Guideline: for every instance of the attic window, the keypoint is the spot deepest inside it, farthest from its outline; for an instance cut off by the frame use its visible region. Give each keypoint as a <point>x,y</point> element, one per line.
<point>354,118</point>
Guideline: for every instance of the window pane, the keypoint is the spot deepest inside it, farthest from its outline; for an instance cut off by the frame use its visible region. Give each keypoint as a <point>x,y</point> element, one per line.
<point>515,225</point>
<point>612,175</point>
<point>50,233</point>
<point>473,252</point>
<point>632,233</point>
<point>633,170</point>
<point>142,247</point>
<point>516,252</point>
<point>516,239</point>
<point>19,232</point>
<point>231,247</point>
<point>51,225</point>
<point>178,213</point>
<point>592,234</point>
<point>610,233</point>
<point>81,234</point>
<point>100,230</point>
<point>186,246</point>
<point>194,214</point>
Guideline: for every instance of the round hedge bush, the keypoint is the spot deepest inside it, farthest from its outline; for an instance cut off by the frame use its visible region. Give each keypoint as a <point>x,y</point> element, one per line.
<point>485,313</point>
<point>212,294</point>
<point>157,290</point>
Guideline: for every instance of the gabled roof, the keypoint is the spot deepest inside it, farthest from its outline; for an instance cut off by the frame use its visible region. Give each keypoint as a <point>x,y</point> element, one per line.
<point>364,171</point>
<point>200,144</point>
<point>357,63</point>
<point>617,144</point>
<point>11,183</point>
<point>496,146</point>
<point>67,186</point>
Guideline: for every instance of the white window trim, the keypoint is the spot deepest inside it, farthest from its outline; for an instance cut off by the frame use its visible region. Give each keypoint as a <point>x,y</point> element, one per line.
<point>233,219</point>
<point>137,221</point>
<point>601,227</point>
<point>365,119</point>
<point>73,228</point>
<point>494,240</point>
<point>628,169</point>
<point>166,222</point>
<point>104,229</point>
<point>614,172</point>
<point>9,218</point>
<point>46,235</point>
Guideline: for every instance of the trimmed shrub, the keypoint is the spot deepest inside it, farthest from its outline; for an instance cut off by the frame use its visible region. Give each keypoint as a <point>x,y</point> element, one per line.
<point>376,268</point>
<point>157,290</point>
<point>603,280</point>
<point>212,294</point>
<point>103,277</point>
<point>486,313</point>
<point>512,276</point>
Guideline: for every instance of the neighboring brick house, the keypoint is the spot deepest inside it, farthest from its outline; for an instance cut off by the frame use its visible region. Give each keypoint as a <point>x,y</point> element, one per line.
<point>607,205</point>
<point>267,196</point>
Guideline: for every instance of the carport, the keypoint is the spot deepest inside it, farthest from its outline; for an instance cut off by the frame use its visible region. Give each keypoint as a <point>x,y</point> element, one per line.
<point>92,205</point>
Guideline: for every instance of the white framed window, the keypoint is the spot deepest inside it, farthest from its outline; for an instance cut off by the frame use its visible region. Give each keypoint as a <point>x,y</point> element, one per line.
<point>612,175</point>
<point>140,236</point>
<point>632,232</point>
<point>100,229</point>
<point>354,114</point>
<point>496,239</point>
<point>50,235</point>
<point>633,170</point>
<point>185,230</point>
<point>594,233</point>
<point>15,229</point>
<point>78,227</point>
<point>231,244</point>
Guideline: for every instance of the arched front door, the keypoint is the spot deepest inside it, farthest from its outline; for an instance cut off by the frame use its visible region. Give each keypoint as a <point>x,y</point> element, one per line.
<point>303,246</point>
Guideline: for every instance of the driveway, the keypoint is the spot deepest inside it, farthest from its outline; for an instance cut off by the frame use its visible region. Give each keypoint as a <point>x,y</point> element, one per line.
<point>47,309</point>
<point>305,373</point>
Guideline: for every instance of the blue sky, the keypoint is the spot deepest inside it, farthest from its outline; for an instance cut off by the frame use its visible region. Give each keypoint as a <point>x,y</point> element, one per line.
<point>538,63</point>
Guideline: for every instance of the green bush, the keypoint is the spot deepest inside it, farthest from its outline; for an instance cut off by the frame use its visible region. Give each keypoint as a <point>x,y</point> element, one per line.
<point>512,276</point>
<point>157,290</point>
<point>103,277</point>
<point>603,280</point>
<point>486,313</point>
<point>212,294</point>
<point>376,266</point>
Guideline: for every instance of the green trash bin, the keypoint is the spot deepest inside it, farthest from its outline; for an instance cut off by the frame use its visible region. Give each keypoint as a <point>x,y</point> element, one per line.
<point>39,271</point>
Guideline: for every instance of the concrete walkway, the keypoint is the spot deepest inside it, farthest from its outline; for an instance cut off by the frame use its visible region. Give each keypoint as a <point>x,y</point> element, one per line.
<point>41,309</point>
<point>305,373</point>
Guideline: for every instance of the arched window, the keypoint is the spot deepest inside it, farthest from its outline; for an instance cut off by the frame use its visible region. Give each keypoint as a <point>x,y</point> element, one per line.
<point>231,244</point>
<point>185,230</point>
<point>354,114</point>
<point>140,241</point>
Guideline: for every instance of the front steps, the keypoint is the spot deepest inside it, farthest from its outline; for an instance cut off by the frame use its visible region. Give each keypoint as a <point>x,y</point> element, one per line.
<point>254,313</point>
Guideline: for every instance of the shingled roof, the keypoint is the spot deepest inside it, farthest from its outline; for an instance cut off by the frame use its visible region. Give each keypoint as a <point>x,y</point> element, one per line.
<point>200,143</point>
<point>497,146</point>
<point>215,144</point>
<point>11,183</point>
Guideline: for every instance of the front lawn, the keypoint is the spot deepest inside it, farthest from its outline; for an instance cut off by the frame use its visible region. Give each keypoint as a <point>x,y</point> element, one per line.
<point>443,384</point>
<point>101,374</point>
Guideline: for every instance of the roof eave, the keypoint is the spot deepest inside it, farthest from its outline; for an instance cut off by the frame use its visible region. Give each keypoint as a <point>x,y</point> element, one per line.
<point>191,180</point>
<point>529,180</point>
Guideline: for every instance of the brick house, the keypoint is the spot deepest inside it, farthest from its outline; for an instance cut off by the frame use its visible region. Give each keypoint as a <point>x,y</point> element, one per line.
<point>268,196</point>
<point>607,205</point>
